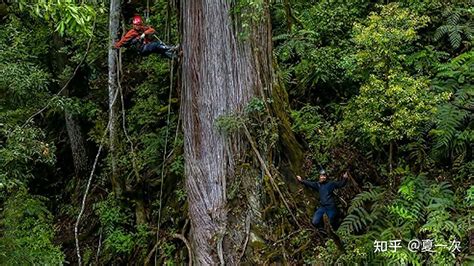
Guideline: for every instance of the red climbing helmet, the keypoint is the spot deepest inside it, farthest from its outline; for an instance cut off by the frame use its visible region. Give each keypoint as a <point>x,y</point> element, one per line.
<point>137,20</point>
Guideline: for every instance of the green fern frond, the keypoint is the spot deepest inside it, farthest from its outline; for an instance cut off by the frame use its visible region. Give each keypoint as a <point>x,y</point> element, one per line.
<point>454,18</point>
<point>461,60</point>
<point>358,220</point>
<point>282,37</point>
<point>452,132</point>
<point>470,196</point>
<point>455,37</point>
<point>449,119</point>
<point>401,257</point>
<point>468,260</point>
<point>456,26</point>
<point>445,187</point>
<point>349,223</point>
<point>402,212</point>
<point>366,196</point>
<point>441,31</point>
<point>417,207</point>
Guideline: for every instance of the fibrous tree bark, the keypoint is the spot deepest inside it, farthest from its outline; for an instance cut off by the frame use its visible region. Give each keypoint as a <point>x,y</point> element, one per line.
<point>114,24</point>
<point>220,74</point>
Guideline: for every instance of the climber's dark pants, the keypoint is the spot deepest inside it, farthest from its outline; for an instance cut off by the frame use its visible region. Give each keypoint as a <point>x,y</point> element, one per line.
<point>330,211</point>
<point>157,47</point>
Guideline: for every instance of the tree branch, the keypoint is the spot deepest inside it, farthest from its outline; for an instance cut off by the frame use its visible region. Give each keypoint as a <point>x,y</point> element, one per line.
<point>67,83</point>
<point>188,246</point>
<point>81,212</point>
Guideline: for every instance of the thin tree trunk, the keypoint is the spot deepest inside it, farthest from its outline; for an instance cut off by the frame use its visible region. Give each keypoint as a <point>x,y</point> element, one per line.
<point>220,75</point>
<point>76,137</point>
<point>289,15</point>
<point>390,157</point>
<point>114,23</point>
<point>78,149</point>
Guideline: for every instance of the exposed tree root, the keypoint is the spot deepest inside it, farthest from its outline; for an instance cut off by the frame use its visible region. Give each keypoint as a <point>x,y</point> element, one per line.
<point>332,235</point>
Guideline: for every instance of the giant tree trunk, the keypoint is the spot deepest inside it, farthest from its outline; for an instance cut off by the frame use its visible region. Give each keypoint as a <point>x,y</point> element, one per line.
<point>114,23</point>
<point>220,75</point>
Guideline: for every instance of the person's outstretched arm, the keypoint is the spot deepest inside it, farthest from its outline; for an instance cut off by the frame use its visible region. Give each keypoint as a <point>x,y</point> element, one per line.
<point>313,185</point>
<point>343,182</point>
<point>130,35</point>
<point>149,30</point>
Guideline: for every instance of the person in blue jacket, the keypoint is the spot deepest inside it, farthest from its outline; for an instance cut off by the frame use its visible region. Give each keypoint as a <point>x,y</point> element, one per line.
<point>326,197</point>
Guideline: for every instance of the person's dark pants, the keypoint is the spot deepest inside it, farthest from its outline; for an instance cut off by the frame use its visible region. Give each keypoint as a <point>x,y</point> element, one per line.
<point>318,216</point>
<point>157,47</point>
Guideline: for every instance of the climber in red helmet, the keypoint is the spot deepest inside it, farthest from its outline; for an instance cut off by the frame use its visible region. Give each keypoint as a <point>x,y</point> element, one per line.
<point>140,37</point>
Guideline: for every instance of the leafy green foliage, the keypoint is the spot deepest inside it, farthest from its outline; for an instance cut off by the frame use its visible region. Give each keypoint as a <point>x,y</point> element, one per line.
<point>392,110</point>
<point>317,131</point>
<point>69,17</point>
<point>459,25</point>
<point>23,82</point>
<point>453,133</point>
<point>119,240</point>
<point>385,38</point>
<point>358,218</point>
<point>470,196</point>
<point>23,150</point>
<point>255,108</point>
<point>37,154</point>
<point>392,105</point>
<point>308,121</point>
<point>27,233</point>
<point>23,86</point>
<point>409,97</point>
<point>311,56</point>
<point>420,209</point>
<point>229,123</point>
<point>248,14</point>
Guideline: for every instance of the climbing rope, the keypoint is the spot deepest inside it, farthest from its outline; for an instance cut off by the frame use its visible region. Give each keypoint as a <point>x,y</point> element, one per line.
<point>89,181</point>
<point>124,127</point>
<point>164,156</point>
<point>147,11</point>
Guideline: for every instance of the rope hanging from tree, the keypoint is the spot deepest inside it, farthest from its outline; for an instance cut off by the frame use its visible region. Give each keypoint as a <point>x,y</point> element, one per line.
<point>164,158</point>
<point>147,11</point>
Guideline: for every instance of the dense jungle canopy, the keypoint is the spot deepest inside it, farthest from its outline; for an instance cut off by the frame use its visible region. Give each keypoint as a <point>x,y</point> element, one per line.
<point>110,155</point>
